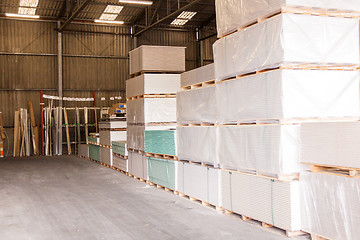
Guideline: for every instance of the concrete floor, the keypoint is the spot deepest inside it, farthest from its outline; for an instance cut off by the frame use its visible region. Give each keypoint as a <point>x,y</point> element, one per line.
<point>72,198</point>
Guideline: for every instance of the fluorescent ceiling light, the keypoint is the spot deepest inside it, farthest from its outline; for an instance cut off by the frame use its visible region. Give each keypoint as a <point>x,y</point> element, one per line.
<point>29,3</point>
<point>179,22</point>
<point>26,11</point>
<point>136,2</point>
<point>21,15</point>
<point>186,15</point>
<point>108,22</point>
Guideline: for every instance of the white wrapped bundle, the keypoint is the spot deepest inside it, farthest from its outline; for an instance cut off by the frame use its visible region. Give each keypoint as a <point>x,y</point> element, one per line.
<point>152,84</point>
<point>120,163</point>
<point>138,165</point>
<point>198,75</point>
<point>235,14</point>
<point>333,144</point>
<point>157,58</point>
<point>286,94</point>
<point>151,110</point>
<point>112,124</point>
<point>83,150</point>
<point>197,105</point>
<point>199,182</point>
<point>269,149</point>
<point>263,199</point>
<point>330,205</point>
<point>197,144</point>
<point>106,137</point>
<point>106,156</point>
<point>288,39</point>
<point>136,135</point>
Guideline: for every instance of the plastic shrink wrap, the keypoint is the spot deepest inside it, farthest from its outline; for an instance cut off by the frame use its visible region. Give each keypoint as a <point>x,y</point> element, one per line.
<point>162,172</point>
<point>83,150</point>
<point>157,58</point>
<point>138,165</point>
<point>106,156</point>
<point>119,147</point>
<point>160,142</point>
<point>197,144</point>
<point>274,202</point>
<point>330,205</point>
<point>235,14</point>
<point>285,94</point>
<point>199,182</point>
<point>151,110</point>
<point>197,106</point>
<point>106,137</point>
<point>120,163</point>
<point>288,39</point>
<point>112,124</point>
<point>269,149</point>
<point>136,135</point>
<point>94,152</point>
<point>198,75</point>
<point>152,83</point>
<point>331,143</point>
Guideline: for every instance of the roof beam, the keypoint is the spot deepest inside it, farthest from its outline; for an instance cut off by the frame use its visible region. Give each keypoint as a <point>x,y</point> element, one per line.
<point>74,15</point>
<point>168,16</point>
<point>156,10</point>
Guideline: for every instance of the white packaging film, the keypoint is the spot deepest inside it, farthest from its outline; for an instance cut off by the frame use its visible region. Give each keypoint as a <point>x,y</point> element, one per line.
<point>269,149</point>
<point>157,58</point>
<point>198,75</point>
<point>286,94</point>
<point>331,143</point>
<point>138,165</point>
<point>106,156</point>
<point>120,163</point>
<point>151,110</point>
<point>330,205</point>
<point>288,39</point>
<point>235,14</point>
<point>200,182</point>
<point>112,124</point>
<point>274,202</point>
<point>83,150</point>
<point>152,84</point>
<point>197,144</point>
<point>197,106</point>
<point>106,137</point>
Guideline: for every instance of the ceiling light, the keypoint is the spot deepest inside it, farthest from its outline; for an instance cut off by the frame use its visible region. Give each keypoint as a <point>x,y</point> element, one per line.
<point>113,9</point>
<point>179,22</point>
<point>186,15</point>
<point>21,15</point>
<point>108,22</point>
<point>27,11</point>
<point>29,3</point>
<point>136,2</point>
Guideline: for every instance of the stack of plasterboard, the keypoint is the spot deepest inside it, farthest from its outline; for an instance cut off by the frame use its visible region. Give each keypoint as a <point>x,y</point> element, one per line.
<point>288,39</point>
<point>160,142</point>
<point>107,136</point>
<point>271,201</point>
<point>120,162</point>
<point>198,75</point>
<point>94,152</point>
<point>236,14</point>
<point>138,165</point>
<point>94,139</point>
<point>162,172</point>
<point>199,182</point>
<point>106,156</point>
<point>83,150</point>
<point>330,205</point>
<point>157,58</point>
<point>120,155</point>
<point>119,147</point>
<point>112,124</point>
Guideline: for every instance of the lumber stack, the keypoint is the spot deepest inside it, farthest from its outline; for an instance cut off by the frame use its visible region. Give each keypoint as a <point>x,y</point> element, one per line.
<point>272,62</point>
<point>151,109</point>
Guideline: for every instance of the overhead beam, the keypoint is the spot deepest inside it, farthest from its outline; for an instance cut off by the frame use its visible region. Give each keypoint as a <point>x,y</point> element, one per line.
<point>168,16</point>
<point>74,15</point>
<point>156,10</point>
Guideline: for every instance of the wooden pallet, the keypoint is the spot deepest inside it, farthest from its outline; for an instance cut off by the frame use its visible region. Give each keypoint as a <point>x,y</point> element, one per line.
<point>318,237</point>
<point>121,156</point>
<point>162,156</point>
<point>335,170</point>
<point>199,163</point>
<point>136,151</point>
<point>203,124</point>
<point>112,129</point>
<point>105,146</point>
<point>199,85</point>
<point>160,95</point>
<point>153,72</point>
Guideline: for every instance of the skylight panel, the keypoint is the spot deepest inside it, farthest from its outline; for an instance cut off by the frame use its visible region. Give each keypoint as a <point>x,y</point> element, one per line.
<point>29,3</point>
<point>186,15</point>
<point>179,22</point>
<point>111,12</point>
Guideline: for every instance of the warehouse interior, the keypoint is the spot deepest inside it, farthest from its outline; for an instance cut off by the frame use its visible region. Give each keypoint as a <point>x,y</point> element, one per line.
<point>179,119</point>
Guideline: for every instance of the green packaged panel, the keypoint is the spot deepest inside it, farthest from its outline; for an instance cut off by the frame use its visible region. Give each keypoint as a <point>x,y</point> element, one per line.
<point>162,172</point>
<point>93,139</point>
<point>160,142</point>
<point>119,147</point>
<point>94,152</point>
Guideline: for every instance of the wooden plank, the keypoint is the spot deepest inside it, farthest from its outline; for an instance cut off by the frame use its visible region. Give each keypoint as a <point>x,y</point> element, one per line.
<point>16,134</point>
<point>67,131</point>
<point>86,125</point>
<point>33,125</point>
<point>2,134</point>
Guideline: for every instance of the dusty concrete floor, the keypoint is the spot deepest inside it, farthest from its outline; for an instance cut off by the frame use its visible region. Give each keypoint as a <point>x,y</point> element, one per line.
<point>72,198</point>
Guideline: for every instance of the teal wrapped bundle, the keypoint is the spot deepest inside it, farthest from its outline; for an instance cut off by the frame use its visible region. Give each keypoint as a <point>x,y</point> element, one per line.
<point>93,139</point>
<point>160,142</point>
<point>119,147</point>
<point>162,172</point>
<point>94,152</point>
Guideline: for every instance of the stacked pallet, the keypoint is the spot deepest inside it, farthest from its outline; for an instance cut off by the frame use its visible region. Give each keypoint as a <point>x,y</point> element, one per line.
<point>110,129</point>
<point>271,66</point>
<point>151,110</point>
